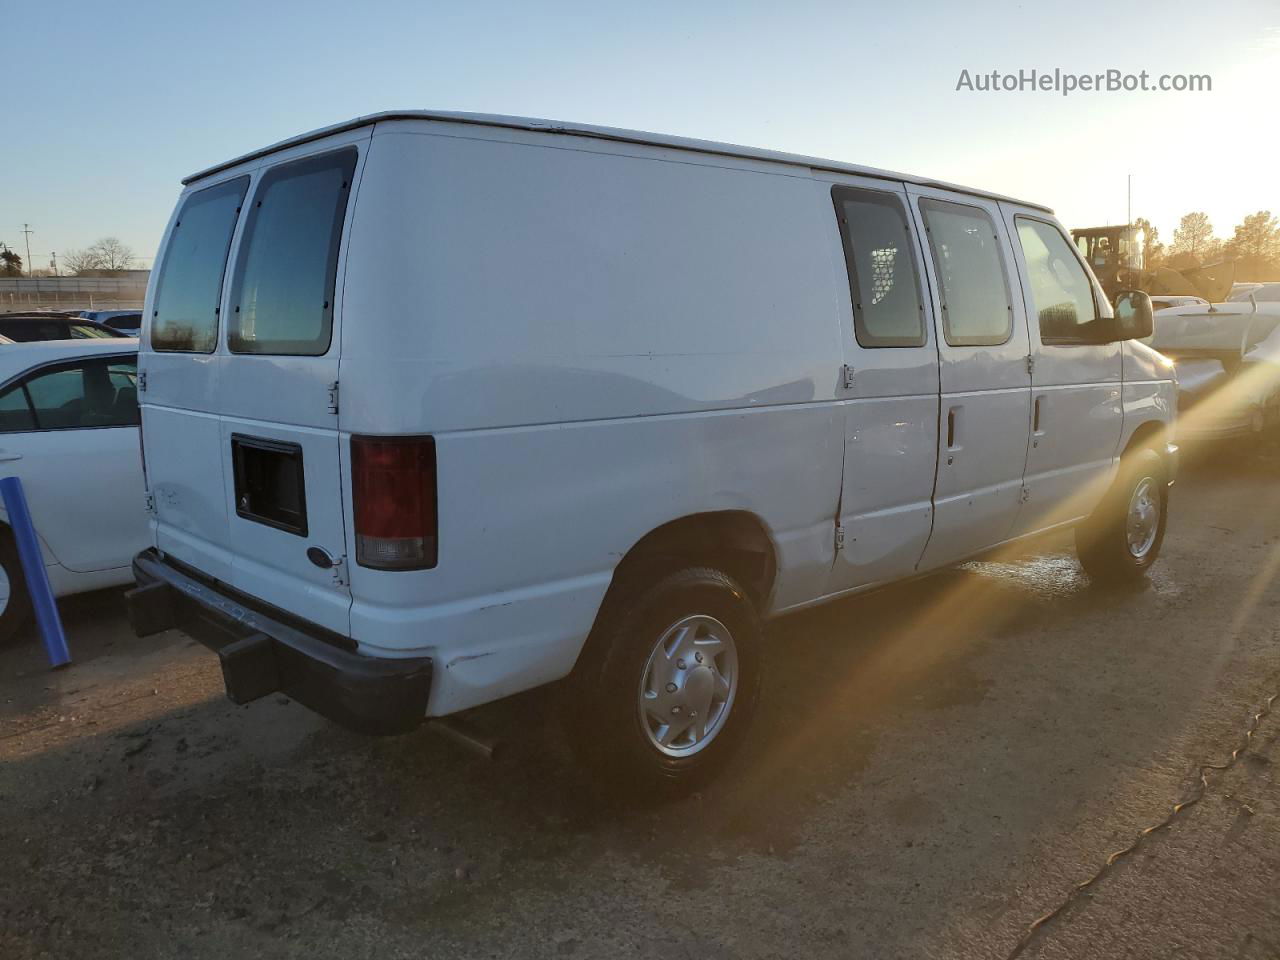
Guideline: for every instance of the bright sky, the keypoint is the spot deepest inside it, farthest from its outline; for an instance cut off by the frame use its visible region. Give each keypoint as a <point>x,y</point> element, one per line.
<point>110,105</point>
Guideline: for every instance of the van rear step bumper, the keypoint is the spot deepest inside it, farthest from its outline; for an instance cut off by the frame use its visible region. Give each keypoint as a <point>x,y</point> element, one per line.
<point>261,655</point>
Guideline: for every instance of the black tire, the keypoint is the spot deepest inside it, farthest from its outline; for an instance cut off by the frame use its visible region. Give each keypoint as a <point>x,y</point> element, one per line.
<point>603,713</point>
<point>18,610</point>
<point>1102,541</point>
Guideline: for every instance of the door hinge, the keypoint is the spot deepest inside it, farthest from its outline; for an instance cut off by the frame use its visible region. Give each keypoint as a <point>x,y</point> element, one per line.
<point>839,537</point>
<point>339,572</point>
<point>142,381</point>
<point>1031,365</point>
<point>333,397</point>
<point>1025,496</point>
<point>846,376</point>
<point>149,501</point>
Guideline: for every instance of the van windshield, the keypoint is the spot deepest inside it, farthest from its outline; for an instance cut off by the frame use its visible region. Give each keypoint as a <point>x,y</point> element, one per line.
<point>185,315</point>
<point>285,272</point>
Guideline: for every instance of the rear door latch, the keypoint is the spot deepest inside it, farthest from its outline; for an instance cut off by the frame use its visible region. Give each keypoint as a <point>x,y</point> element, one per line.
<point>333,397</point>
<point>339,572</point>
<point>337,566</point>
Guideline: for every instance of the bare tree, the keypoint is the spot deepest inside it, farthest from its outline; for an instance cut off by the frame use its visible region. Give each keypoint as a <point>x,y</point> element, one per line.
<point>77,262</point>
<point>112,254</point>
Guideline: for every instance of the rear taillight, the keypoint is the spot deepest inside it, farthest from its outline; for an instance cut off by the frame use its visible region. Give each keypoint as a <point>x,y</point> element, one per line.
<point>393,488</point>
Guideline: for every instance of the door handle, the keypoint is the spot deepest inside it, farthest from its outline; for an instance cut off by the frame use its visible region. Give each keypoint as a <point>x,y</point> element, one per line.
<point>1035,420</point>
<point>953,433</point>
<point>5,456</point>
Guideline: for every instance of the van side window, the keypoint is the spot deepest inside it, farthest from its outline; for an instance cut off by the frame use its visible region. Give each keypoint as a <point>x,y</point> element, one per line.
<point>883,278</point>
<point>1060,289</point>
<point>283,291</point>
<point>185,315</point>
<point>976,309</point>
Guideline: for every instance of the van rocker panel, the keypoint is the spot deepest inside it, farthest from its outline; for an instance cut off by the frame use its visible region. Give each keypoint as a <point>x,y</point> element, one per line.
<point>261,655</point>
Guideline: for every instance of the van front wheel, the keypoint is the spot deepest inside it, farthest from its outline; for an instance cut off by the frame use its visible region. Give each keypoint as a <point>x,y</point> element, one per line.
<point>667,687</point>
<point>1122,539</point>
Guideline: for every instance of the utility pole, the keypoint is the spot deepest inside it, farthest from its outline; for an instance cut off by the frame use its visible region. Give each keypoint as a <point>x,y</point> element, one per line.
<point>26,229</point>
<point>54,255</point>
<point>1129,214</point>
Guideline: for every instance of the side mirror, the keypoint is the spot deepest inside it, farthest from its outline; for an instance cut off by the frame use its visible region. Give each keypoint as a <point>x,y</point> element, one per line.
<point>1134,317</point>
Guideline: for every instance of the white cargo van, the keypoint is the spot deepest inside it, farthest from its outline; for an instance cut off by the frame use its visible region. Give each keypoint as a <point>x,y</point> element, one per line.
<point>440,407</point>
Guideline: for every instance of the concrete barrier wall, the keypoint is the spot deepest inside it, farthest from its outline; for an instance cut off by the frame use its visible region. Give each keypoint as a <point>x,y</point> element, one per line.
<point>71,293</point>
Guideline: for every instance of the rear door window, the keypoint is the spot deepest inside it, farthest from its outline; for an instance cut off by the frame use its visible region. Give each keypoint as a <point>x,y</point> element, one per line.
<point>83,394</point>
<point>283,290</point>
<point>29,331</point>
<point>185,316</point>
<point>15,410</point>
<point>84,331</point>
<point>882,268</point>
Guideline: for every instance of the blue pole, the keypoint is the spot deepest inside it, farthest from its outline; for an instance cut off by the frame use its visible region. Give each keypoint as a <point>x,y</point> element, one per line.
<point>24,531</point>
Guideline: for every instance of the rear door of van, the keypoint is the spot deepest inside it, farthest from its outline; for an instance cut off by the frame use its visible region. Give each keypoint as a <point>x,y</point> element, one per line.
<point>240,415</point>
<point>985,380</point>
<point>891,382</point>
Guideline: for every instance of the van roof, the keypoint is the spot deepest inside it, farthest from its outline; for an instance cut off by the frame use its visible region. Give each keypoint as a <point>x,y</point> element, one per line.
<point>605,133</point>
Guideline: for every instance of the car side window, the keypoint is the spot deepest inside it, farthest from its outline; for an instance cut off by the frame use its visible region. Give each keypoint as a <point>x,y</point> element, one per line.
<point>976,308</point>
<point>82,394</point>
<point>29,331</point>
<point>1060,289</point>
<point>82,331</point>
<point>15,410</point>
<point>883,277</point>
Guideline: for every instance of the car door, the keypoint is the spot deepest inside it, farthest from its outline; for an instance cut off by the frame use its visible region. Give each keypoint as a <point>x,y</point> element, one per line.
<point>984,381</point>
<point>890,382</point>
<point>1076,412</point>
<point>71,436</point>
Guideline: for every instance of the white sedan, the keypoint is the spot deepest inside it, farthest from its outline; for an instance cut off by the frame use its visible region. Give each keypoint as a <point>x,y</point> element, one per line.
<point>69,430</point>
<point>1228,357</point>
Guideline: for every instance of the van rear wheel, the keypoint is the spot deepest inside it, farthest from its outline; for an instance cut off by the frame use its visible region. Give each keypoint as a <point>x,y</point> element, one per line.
<point>669,682</point>
<point>1122,539</point>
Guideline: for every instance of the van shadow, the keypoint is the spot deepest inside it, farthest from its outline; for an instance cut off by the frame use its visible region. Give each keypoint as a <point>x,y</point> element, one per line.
<point>276,823</point>
<point>266,822</point>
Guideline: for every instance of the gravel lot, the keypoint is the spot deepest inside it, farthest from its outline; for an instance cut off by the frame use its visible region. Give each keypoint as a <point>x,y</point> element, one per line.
<point>934,767</point>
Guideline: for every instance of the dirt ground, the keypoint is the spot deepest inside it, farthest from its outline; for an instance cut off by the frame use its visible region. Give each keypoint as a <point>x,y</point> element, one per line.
<point>935,766</point>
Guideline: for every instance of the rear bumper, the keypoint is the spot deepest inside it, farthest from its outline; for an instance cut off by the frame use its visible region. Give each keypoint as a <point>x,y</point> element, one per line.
<point>262,654</point>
